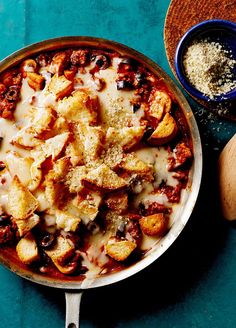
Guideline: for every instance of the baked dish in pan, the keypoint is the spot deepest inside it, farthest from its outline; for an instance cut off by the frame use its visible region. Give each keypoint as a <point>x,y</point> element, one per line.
<point>95,154</point>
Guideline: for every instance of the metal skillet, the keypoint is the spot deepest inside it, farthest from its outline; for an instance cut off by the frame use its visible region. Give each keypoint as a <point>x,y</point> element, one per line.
<point>74,289</point>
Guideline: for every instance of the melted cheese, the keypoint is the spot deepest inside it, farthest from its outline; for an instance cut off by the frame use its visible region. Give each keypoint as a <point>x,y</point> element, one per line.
<point>115,105</point>
<point>116,111</point>
<point>158,157</point>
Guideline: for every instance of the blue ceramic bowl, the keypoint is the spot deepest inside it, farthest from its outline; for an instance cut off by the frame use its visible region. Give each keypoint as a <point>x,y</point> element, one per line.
<point>216,30</point>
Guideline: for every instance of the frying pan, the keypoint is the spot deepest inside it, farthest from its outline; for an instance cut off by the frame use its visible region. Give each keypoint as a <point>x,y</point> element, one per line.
<point>74,289</point>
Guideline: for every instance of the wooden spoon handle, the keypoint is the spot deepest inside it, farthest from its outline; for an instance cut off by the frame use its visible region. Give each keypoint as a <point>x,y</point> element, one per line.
<point>227,179</point>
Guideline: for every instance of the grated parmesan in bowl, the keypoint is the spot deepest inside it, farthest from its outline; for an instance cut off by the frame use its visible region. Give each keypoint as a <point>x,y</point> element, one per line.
<point>209,67</point>
<point>205,61</point>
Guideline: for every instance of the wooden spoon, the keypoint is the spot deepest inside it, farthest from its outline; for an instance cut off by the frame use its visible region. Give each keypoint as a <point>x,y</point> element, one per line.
<point>227,179</point>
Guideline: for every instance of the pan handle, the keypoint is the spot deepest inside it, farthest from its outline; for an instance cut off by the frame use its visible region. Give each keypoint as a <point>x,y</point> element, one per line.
<point>73,300</point>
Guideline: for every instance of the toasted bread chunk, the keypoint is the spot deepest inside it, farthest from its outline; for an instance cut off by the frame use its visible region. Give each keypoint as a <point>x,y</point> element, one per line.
<point>61,251</point>
<point>114,221</point>
<point>71,209</point>
<point>132,164</point>
<point>66,221</point>
<point>27,224</point>
<point>66,269</point>
<point>79,107</point>
<point>165,131</point>
<point>43,120</point>
<point>53,192</point>
<point>38,156</point>
<point>74,151</point>
<point>28,65</point>
<point>35,81</point>
<point>60,168</point>
<point>119,250</point>
<point>54,187</point>
<point>74,178</point>
<point>22,166</point>
<point>54,146</point>
<point>160,105</point>
<point>87,209</point>
<point>153,225</point>
<point>60,86</point>
<point>117,202</point>
<point>26,140</point>
<point>103,178</point>
<point>113,156</point>
<point>36,168</point>
<point>27,250</point>
<point>59,62</point>
<point>60,125</point>
<point>21,203</point>
<point>36,176</point>
<point>93,140</point>
<point>127,137</point>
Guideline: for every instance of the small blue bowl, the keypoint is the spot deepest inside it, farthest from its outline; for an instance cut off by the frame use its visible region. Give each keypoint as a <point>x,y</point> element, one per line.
<point>215,30</point>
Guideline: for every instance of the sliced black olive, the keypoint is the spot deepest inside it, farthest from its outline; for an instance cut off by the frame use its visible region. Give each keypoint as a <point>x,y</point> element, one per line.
<point>4,220</point>
<point>83,269</point>
<point>43,59</point>
<point>128,61</point>
<point>102,61</point>
<point>136,107</point>
<point>123,85</point>
<point>12,93</point>
<point>44,258</point>
<point>142,209</point>
<point>93,227</point>
<point>2,166</point>
<point>148,132</point>
<point>139,79</point>
<point>47,240</point>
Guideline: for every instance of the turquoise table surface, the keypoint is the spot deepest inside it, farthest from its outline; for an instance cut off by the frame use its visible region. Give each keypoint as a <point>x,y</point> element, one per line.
<point>193,285</point>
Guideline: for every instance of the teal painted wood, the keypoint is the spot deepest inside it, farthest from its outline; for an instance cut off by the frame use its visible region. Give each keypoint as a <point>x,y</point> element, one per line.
<point>193,284</point>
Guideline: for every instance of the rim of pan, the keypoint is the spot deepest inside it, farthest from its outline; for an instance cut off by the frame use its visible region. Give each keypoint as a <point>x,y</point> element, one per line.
<point>196,170</point>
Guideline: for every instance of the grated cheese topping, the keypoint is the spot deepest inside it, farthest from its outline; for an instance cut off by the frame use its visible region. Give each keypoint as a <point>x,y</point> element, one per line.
<point>209,68</point>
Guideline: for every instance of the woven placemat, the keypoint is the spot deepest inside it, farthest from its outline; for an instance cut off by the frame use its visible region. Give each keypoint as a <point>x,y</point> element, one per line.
<point>183,14</point>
